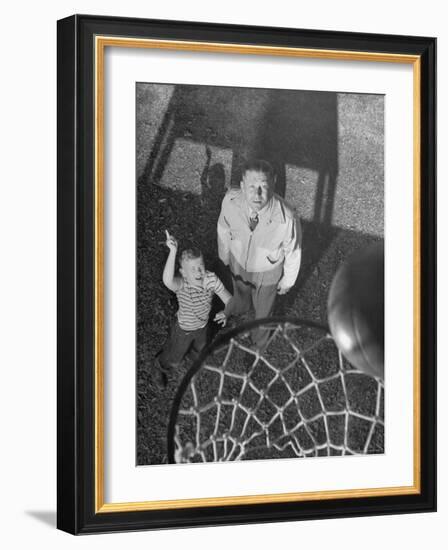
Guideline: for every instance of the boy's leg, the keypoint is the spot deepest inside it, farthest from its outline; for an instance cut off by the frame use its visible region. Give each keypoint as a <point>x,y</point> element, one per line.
<point>200,340</point>
<point>175,348</point>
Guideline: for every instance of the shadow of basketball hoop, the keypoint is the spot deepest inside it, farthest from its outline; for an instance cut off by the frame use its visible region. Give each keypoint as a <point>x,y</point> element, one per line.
<point>289,128</point>
<point>285,127</point>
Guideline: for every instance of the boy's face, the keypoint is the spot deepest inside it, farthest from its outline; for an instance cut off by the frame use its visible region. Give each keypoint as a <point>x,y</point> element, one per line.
<point>257,189</point>
<point>193,270</point>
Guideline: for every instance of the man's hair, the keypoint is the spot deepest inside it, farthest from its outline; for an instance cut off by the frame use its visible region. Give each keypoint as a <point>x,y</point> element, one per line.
<point>190,254</point>
<point>258,165</point>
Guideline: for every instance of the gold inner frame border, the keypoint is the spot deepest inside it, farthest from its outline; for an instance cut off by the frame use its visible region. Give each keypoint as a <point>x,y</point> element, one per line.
<point>101,42</point>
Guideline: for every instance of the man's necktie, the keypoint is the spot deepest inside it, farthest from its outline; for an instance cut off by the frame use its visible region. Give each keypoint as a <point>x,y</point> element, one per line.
<point>253,222</point>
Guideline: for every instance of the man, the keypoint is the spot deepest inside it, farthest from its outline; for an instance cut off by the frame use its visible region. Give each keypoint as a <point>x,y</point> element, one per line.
<point>259,238</point>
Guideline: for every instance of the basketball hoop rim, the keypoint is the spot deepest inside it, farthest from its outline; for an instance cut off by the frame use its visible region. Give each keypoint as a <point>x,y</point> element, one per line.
<point>221,339</point>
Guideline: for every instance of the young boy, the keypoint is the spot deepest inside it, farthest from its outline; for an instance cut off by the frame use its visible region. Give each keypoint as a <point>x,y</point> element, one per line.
<point>194,291</point>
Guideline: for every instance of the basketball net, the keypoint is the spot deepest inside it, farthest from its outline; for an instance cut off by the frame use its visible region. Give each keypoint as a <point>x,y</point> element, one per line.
<point>297,398</point>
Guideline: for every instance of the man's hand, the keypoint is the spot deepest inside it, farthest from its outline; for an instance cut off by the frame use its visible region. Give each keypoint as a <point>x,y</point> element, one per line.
<point>282,288</point>
<point>171,242</point>
<point>220,318</point>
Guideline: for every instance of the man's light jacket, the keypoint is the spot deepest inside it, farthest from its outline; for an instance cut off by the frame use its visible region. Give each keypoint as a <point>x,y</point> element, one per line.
<point>265,255</point>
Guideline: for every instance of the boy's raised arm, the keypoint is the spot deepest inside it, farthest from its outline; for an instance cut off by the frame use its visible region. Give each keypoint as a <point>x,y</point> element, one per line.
<point>169,280</point>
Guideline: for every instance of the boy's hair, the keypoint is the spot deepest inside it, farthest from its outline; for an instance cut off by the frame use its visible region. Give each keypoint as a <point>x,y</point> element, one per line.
<point>258,165</point>
<point>190,254</point>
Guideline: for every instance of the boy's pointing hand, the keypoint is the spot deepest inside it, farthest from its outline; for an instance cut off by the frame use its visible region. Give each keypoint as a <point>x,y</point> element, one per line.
<point>171,242</point>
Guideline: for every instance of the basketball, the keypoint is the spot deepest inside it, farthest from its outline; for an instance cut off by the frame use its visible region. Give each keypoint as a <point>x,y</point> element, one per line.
<point>356,310</point>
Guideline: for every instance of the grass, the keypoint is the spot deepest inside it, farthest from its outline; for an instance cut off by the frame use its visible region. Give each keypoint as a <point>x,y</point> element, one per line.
<point>193,221</point>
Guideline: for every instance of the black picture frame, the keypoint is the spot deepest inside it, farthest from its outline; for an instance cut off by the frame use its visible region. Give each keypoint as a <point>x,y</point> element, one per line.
<point>77,475</point>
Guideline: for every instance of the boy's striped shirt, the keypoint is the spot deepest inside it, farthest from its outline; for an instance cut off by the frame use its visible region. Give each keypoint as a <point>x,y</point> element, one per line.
<point>195,302</point>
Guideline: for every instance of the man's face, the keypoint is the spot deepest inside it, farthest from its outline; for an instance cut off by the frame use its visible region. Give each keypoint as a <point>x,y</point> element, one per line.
<point>257,189</point>
<point>193,270</point>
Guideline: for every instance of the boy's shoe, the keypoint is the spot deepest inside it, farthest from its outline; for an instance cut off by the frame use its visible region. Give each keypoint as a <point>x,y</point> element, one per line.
<point>161,378</point>
<point>160,374</point>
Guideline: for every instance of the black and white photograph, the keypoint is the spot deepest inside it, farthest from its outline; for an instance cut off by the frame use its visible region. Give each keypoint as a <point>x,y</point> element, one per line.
<point>260,273</point>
